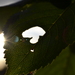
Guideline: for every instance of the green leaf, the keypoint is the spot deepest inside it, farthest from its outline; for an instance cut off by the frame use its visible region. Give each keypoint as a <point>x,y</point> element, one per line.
<point>58,34</point>
<point>37,14</point>
<point>5,13</point>
<point>64,64</point>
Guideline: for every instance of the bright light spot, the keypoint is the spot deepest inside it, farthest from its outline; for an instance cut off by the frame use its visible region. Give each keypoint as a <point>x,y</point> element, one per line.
<point>33,33</point>
<point>8,2</point>
<point>2,60</point>
<point>32,50</point>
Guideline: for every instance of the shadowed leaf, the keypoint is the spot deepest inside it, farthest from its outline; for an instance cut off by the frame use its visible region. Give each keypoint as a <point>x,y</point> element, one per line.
<point>5,13</point>
<point>58,35</point>
<point>62,65</point>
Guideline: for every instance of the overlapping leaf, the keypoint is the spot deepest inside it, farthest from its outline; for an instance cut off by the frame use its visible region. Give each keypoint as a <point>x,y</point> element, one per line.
<point>19,58</point>
<point>62,65</point>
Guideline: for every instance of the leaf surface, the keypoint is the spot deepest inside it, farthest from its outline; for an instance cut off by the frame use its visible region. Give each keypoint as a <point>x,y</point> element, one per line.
<point>5,13</point>
<point>62,65</point>
<point>58,35</point>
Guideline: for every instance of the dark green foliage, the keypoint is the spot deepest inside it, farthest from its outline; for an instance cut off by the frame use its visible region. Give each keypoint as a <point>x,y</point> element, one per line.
<point>60,32</point>
<point>64,64</point>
